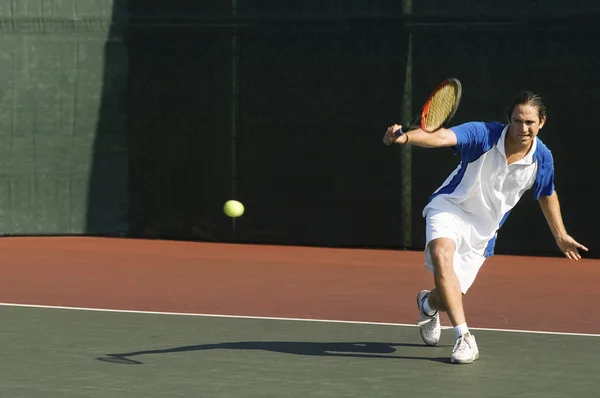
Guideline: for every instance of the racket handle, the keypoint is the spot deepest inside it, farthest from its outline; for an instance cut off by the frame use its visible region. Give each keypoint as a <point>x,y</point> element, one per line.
<point>401,131</point>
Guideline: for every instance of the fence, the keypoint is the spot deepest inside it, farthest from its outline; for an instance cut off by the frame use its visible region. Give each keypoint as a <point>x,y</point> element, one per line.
<point>282,105</point>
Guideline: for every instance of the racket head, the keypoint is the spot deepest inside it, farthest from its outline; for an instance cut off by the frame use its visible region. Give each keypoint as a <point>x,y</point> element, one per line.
<point>441,105</point>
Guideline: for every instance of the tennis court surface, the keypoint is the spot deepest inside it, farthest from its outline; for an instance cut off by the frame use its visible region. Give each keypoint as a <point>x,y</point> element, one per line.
<point>96,317</point>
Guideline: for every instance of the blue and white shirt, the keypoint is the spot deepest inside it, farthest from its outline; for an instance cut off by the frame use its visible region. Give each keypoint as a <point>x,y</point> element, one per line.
<point>483,189</point>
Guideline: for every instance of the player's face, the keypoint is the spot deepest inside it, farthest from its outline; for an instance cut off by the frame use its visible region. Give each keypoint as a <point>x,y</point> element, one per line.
<point>524,124</point>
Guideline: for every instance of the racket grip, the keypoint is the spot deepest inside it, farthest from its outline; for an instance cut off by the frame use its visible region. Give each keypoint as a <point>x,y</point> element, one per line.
<point>401,131</point>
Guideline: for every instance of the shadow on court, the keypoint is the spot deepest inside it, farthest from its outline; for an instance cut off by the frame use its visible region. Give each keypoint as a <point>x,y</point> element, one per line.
<point>353,350</point>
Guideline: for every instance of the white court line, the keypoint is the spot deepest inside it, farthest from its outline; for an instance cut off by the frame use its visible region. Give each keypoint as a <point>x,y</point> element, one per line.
<point>190,314</point>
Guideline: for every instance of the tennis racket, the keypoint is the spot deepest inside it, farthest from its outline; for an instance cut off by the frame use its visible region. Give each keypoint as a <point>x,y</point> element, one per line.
<point>438,110</point>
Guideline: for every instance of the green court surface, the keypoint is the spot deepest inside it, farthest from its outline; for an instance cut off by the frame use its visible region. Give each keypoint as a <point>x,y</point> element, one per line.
<point>54,353</point>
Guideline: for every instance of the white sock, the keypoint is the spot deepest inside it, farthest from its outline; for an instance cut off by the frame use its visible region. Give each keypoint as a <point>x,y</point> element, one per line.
<point>461,329</point>
<point>426,308</point>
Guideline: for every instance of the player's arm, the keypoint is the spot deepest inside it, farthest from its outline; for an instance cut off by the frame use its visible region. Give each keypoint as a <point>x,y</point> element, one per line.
<point>440,138</point>
<point>551,209</point>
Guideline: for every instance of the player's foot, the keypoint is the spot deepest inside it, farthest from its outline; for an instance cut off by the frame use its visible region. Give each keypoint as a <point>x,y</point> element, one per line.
<point>430,326</point>
<point>465,350</point>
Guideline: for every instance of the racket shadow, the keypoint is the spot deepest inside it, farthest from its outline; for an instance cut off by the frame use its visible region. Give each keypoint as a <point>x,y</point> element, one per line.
<point>324,349</point>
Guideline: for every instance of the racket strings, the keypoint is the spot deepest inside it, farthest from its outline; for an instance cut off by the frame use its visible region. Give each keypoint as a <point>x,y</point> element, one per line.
<point>440,107</point>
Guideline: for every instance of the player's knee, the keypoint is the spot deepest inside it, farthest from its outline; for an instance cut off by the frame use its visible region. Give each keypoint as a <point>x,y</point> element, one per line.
<point>442,254</point>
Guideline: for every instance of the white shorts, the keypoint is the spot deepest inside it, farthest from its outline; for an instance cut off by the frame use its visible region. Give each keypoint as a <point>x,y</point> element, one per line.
<point>467,259</point>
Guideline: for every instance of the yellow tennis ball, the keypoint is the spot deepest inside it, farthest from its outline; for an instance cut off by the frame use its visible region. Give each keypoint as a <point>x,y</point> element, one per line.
<point>233,208</point>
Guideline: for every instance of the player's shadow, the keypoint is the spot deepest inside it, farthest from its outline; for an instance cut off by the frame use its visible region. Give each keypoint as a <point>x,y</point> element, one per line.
<point>329,349</point>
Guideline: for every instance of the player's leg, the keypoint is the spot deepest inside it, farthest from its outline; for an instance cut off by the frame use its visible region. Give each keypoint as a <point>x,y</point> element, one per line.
<point>454,265</point>
<point>439,225</point>
<point>448,296</point>
<point>447,288</point>
<point>435,301</point>
<point>453,278</point>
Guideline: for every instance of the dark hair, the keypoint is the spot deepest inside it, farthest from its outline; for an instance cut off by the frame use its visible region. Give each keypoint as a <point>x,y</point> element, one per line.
<point>528,98</point>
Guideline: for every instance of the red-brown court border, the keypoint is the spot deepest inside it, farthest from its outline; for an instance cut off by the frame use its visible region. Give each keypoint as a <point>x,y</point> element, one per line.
<point>526,293</point>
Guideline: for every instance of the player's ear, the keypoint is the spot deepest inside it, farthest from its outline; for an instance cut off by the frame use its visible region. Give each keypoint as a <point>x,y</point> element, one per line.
<point>542,122</point>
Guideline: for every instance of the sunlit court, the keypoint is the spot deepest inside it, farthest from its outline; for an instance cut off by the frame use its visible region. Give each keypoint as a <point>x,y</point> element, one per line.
<point>117,317</point>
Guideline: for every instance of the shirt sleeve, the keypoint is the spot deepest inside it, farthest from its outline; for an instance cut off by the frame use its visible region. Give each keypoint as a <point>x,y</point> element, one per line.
<point>544,181</point>
<point>472,139</point>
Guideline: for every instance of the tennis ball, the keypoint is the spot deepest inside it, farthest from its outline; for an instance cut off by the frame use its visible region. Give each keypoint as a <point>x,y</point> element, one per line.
<point>233,208</point>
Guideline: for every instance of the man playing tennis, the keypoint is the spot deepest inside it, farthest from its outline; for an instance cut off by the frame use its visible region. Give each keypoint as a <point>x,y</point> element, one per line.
<point>499,162</point>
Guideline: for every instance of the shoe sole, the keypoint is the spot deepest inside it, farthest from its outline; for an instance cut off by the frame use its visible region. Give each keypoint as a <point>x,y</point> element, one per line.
<point>466,361</point>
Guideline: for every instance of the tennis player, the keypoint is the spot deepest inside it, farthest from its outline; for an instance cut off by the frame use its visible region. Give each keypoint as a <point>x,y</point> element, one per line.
<point>499,162</point>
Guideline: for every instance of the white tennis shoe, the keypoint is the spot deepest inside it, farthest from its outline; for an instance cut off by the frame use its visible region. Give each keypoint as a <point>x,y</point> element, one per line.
<point>465,350</point>
<point>430,326</point>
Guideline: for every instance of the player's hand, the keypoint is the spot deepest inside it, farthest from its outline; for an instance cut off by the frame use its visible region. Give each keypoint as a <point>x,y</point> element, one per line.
<point>570,246</point>
<point>389,138</point>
